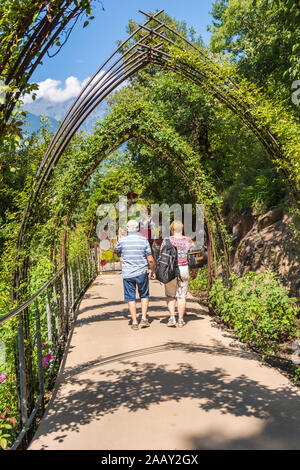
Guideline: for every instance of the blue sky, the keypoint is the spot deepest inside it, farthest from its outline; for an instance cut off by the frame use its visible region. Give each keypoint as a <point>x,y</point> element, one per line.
<point>88,47</point>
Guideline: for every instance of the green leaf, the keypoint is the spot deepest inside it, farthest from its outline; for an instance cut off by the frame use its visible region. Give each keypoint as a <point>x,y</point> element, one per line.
<point>3,443</point>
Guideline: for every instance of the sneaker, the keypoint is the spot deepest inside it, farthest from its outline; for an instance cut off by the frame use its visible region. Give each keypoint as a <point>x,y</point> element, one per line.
<point>134,326</point>
<point>144,323</point>
<point>181,323</point>
<point>172,321</point>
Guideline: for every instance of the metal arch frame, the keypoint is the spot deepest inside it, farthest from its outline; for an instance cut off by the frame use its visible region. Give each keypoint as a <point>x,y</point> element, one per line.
<point>119,68</point>
<point>88,99</point>
<point>122,67</point>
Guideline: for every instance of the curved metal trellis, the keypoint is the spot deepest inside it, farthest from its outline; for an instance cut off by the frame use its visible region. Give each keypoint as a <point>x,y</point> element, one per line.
<point>116,70</point>
<point>124,62</point>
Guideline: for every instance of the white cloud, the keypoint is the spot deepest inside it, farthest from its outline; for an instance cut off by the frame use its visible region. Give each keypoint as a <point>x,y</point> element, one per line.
<point>54,97</point>
<point>52,91</point>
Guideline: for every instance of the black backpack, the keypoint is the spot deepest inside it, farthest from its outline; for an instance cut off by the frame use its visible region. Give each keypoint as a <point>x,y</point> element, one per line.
<point>167,263</point>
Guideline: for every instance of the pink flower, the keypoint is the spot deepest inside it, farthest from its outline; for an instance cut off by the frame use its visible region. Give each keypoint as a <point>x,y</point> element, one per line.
<point>2,417</point>
<point>44,345</point>
<point>3,377</point>
<point>46,360</point>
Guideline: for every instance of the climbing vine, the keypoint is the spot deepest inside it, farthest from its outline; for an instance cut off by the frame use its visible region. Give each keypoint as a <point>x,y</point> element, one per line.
<point>269,120</point>
<point>139,121</point>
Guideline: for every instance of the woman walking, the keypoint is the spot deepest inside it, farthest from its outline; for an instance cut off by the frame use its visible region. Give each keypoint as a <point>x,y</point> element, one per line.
<point>178,287</point>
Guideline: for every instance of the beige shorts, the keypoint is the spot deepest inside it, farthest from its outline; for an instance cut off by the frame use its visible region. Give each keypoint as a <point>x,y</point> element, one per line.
<point>177,287</point>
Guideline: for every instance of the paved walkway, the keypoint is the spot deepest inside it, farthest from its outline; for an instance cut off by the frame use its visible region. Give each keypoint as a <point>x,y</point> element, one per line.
<point>163,388</point>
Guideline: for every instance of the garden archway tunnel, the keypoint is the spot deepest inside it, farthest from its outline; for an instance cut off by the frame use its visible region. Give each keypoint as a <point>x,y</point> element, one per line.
<point>137,121</point>
<point>154,42</point>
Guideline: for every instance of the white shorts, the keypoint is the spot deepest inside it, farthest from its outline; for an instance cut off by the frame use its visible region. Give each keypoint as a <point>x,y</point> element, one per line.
<point>177,287</point>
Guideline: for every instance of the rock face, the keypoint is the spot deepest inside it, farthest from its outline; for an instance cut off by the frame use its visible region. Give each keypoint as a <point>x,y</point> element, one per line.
<point>241,229</point>
<point>269,218</point>
<point>270,244</point>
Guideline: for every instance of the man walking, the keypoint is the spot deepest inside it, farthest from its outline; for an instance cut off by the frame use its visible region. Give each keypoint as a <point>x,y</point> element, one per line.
<point>135,253</point>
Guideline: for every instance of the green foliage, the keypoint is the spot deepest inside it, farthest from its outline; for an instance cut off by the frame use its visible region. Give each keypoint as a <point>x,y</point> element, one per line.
<point>41,272</point>
<point>140,121</point>
<point>271,122</point>
<point>263,37</point>
<point>200,283</point>
<point>15,187</point>
<point>297,374</point>
<point>77,241</point>
<point>4,435</point>
<point>28,30</point>
<point>222,140</point>
<point>258,309</point>
<point>260,192</point>
<point>9,414</point>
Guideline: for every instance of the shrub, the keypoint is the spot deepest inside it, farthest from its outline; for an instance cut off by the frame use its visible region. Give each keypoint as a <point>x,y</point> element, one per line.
<point>200,283</point>
<point>258,309</point>
<point>260,191</point>
<point>9,414</point>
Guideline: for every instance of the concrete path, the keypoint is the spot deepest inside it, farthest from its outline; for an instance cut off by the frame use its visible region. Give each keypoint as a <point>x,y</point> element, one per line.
<point>163,388</point>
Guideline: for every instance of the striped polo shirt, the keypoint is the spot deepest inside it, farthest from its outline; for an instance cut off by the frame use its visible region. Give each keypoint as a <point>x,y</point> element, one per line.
<point>133,249</point>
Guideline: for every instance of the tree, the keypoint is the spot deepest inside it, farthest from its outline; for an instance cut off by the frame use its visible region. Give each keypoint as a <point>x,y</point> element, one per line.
<point>28,30</point>
<point>263,37</point>
<point>231,155</point>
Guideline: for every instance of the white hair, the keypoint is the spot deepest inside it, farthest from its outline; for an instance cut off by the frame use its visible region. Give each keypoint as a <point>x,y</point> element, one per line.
<point>132,226</point>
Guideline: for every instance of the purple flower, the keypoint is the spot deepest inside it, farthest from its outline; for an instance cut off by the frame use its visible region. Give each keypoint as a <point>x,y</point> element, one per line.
<point>46,360</point>
<point>3,377</point>
<point>44,345</point>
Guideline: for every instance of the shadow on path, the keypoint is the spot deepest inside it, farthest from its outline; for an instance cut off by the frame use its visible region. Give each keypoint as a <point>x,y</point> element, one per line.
<point>120,309</point>
<point>137,380</point>
<point>216,349</point>
<point>139,385</point>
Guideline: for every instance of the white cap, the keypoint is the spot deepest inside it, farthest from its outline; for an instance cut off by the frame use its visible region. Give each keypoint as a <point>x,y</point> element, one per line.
<point>132,226</point>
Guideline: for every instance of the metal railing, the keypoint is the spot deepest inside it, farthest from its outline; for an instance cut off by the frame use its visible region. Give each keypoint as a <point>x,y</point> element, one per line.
<point>46,320</point>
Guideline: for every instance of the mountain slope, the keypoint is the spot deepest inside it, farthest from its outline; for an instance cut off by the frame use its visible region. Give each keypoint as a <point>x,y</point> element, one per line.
<point>56,112</point>
<point>33,123</point>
